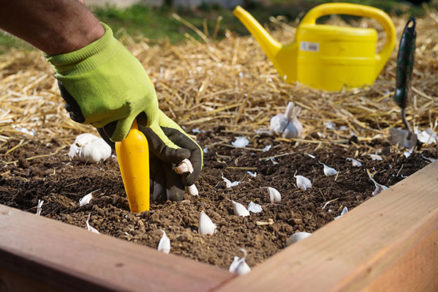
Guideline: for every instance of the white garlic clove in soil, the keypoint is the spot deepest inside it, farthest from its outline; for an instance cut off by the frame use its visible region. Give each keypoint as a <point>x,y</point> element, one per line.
<point>240,209</point>
<point>234,264</point>
<point>303,182</point>
<point>89,227</point>
<point>329,171</point>
<point>239,266</point>
<point>378,187</point>
<point>252,174</point>
<point>344,211</point>
<point>297,236</point>
<point>90,148</point>
<point>206,226</point>
<point>294,129</point>
<point>228,183</point>
<point>254,207</point>
<point>375,157</point>
<point>39,207</point>
<point>85,199</point>
<point>164,244</point>
<point>240,142</point>
<point>274,195</point>
<point>354,162</point>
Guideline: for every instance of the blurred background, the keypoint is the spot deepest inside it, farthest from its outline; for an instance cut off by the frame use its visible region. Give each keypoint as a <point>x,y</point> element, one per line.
<point>173,20</point>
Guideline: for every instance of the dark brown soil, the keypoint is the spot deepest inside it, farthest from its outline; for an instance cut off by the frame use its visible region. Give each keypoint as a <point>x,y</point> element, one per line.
<point>27,177</point>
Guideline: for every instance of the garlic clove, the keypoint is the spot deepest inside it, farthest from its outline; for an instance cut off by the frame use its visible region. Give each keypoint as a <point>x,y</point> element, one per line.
<point>267,148</point>
<point>240,209</point>
<point>252,174</point>
<point>234,264</point>
<point>239,266</point>
<point>297,129</point>
<point>297,236</point>
<point>290,131</point>
<point>240,142</point>
<point>242,268</point>
<point>39,207</point>
<point>206,226</point>
<point>427,136</point>
<point>184,166</point>
<point>164,244</point>
<point>230,184</point>
<point>303,183</point>
<point>408,153</point>
<point>375,157</point>
<point>378,187</point>
<point>90,148</point>
<point>89,227</point>
<point>85,199</point>
<point>192,190</point>
<point>344,211</point>
<point>329,171</point>
<point>274,195</point>
<point>254,208</point>
<point>354,162</point>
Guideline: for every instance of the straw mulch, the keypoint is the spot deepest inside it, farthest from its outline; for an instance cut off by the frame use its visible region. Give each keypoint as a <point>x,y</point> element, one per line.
<point>205,84</point>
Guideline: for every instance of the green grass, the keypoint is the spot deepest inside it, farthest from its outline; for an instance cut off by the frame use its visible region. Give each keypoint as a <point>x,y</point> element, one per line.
<point>8,41</point>
<point>158,23</point>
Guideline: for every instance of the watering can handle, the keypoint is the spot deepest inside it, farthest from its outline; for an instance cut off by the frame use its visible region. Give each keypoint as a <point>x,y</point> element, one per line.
<point>358,10</point>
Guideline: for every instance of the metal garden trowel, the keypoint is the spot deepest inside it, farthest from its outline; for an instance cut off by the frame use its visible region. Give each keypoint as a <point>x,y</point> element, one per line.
<point>405,63</point>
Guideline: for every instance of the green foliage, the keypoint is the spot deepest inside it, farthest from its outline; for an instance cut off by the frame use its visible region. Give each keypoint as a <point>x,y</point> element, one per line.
<point>158,23</point>
<point>8,41</point>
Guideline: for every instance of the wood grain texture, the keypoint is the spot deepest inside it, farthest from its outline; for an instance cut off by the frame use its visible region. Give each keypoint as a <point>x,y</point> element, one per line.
<point>388,243</point>
<point>58,255</point>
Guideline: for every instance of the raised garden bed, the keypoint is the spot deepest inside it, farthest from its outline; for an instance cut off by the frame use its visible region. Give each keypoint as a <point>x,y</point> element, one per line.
<point>390,239</point>
<point>34,171</point>
<point>364,248</point>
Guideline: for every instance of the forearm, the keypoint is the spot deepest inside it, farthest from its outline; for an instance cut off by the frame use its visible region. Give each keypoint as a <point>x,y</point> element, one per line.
<point>53,26</point>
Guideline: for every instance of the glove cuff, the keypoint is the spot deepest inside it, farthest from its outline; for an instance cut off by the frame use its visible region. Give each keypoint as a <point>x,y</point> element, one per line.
<point>88,57</point>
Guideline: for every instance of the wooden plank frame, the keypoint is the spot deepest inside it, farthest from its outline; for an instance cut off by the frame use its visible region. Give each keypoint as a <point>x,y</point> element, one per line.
<point>388,243</point>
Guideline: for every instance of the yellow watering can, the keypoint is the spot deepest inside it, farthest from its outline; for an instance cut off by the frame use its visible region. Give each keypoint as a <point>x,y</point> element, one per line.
<point>325,56</point>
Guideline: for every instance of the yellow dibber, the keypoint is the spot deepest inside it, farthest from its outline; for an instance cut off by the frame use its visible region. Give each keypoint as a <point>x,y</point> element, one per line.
<point>133,156</point>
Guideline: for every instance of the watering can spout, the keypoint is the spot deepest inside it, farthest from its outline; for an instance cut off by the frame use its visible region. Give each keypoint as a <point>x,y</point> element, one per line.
<point>270,46</point>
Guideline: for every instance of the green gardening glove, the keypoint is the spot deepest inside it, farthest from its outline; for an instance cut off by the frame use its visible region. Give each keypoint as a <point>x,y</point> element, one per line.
<point>104,85</point>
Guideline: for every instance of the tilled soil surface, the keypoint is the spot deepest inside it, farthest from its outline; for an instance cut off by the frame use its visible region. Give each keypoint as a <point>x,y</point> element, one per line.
<point>35,171</point>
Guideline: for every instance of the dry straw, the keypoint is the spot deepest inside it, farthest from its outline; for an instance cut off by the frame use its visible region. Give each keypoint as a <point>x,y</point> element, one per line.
<point>205,84</point>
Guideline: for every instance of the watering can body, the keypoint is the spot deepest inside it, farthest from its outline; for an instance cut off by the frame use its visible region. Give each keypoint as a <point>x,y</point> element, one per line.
<point>325,56</point>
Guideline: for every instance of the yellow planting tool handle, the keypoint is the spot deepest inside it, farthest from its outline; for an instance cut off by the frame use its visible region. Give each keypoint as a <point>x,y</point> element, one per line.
<point>133,157</point>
